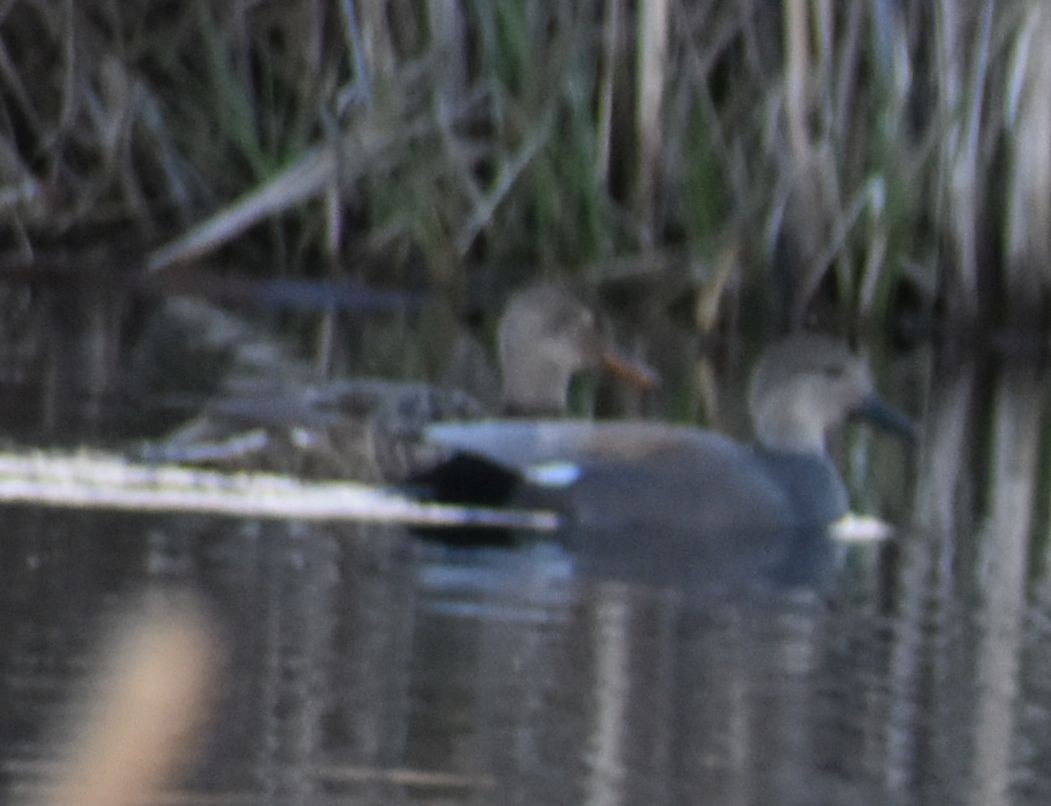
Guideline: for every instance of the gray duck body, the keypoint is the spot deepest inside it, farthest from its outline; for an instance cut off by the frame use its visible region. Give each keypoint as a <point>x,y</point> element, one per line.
<point>636,475</point>
<point>648,495</point>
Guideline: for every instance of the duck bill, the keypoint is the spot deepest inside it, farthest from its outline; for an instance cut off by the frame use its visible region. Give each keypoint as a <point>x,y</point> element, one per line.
<point>629,370</point>
<point>878,412</point>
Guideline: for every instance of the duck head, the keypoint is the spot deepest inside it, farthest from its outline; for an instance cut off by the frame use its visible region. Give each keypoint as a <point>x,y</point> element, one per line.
<point>808,385</point>
<point>546,337</point>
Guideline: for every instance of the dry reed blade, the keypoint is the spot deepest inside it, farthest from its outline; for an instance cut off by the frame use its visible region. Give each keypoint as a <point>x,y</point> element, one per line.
<point>310,176</point>
<point>449,40</point>
<point>652,78</point>
<point>1028,221</point>
<point>797,85</point>
<point>613,13</point>
<point>508,173</point>
<point>962,92</point>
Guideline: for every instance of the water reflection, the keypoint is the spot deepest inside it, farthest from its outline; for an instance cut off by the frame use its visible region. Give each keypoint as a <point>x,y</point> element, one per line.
<point>367,667</point>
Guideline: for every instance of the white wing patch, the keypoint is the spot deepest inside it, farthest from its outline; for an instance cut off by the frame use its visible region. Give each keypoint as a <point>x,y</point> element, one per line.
<point>553,474</point>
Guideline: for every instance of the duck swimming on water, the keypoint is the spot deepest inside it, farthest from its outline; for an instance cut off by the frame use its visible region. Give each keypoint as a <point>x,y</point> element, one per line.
<point>370,430</point>
<point>627,475</point>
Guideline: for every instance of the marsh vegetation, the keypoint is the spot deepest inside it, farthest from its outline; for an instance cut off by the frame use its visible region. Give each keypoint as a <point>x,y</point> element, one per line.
<point>869,161</point>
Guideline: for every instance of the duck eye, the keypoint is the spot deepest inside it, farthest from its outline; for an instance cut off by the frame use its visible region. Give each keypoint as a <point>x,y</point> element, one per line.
<point>832,371</point>
<point>577,325</point>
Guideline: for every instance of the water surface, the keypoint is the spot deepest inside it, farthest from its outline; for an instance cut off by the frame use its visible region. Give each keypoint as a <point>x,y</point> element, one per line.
<point>368,665</point>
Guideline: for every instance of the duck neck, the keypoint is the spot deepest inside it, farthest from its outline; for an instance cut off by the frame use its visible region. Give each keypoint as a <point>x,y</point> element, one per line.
<point>786,429</point>
<point>811,483</point>
<point>535,388</point>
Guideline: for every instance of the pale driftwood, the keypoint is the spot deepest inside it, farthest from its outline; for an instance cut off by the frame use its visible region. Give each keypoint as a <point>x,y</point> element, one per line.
<point>144,723</point>
<point>102,481</point>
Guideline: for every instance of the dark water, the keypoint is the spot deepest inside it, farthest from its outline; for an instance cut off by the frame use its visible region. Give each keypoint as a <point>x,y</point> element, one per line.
<point>365,665</point>
<point>361,659</point>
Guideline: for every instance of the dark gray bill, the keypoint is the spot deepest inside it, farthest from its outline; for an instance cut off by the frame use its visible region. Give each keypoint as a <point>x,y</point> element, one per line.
<point>879,412</point>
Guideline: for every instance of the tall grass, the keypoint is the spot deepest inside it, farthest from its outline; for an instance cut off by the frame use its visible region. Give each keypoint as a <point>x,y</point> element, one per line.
<point>850,156</point>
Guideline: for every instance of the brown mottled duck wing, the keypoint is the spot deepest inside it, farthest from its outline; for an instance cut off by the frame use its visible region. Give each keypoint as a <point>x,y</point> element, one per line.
<point>366,430</point>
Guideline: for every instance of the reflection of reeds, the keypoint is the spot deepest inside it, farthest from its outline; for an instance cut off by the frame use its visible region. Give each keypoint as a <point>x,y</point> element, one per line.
<point>947,449</point>
<point>1004,563</point>
<point>838,149</point>
<point>145,720</point>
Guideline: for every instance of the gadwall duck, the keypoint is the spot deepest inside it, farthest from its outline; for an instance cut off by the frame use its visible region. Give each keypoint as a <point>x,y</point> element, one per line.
<point>634,475</point>
<point>546,337</point>
<point>371,430</point>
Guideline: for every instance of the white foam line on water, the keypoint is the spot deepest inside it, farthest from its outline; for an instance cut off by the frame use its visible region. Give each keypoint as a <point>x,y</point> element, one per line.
<point>102,481</point>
